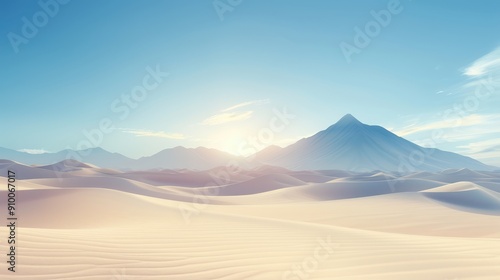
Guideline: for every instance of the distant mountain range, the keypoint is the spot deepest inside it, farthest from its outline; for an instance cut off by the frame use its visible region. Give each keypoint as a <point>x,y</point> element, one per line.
<point>346,145</point>
<point>354,146</point>
<point>176,158</point>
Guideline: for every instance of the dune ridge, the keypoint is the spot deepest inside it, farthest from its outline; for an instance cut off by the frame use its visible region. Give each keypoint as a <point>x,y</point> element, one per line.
<point>79,221</point>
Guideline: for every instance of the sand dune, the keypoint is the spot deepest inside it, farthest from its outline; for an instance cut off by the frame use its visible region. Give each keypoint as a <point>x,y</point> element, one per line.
<point>336,189</point>
<point>454,176</point>
<point>29,172</point>
<point>185,178</point>
<point>89,208</point>
<point>464,172</point>
<point>67,166</point>
<point>119,184</point>
<point>128,236</point>
<point>258,185</point>
<point>78,221</point>
<point>468,196</point>
<point>490,185</point>
<point>310,176</point>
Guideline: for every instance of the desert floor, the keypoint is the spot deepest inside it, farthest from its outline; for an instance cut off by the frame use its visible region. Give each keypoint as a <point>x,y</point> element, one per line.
<point>80,222</point>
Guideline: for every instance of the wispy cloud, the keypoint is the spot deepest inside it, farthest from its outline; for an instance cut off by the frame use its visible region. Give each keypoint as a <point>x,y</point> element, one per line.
<point>483,146</point>
<point>227,117</point>
<point>244,104</point>
<point>34,151</point>
<point>484,65</point>
<point>232,115</point>
<point>150,133</point>
<point>470,120</point>
<point>495,148</point>
<point>469,125</point>
<point>486,150</point>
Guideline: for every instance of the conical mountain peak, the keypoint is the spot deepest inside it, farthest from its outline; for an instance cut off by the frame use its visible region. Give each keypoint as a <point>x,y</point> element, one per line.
<point>352,145</point>
<point>348,119</point>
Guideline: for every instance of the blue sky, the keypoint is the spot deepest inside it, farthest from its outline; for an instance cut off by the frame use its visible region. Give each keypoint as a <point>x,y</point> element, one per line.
<point>430,73</point>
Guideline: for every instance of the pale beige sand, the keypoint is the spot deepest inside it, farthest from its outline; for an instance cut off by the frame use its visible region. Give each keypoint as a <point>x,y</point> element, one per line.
<point>125,229</point>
